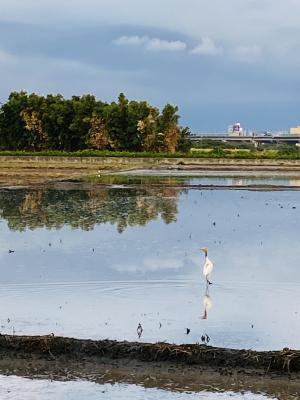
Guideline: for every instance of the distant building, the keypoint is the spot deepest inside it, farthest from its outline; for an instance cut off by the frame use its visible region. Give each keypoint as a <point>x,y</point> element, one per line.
<point>295,130</point>
<point>235,130</point>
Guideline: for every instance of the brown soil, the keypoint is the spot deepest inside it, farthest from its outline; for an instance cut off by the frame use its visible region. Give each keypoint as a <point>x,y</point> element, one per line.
<point>50,347</point>
<point>27,170</point>
<point>174,367</point>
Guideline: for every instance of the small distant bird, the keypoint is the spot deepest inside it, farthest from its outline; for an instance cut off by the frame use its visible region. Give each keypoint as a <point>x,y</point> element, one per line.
<point>205,338</point>
<point>188,331</point>
<point>214,224</point>
<point>10,251</point>
<point>207,267</point>
<point>139,330</point>
<point>160,325</point>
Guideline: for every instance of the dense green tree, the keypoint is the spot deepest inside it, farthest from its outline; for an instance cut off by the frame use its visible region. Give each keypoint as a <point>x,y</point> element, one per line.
<point>13,135</point>
<point>184,142</point>
<point>168,124</point>
<point>116,115</point>
<point>34,122</point>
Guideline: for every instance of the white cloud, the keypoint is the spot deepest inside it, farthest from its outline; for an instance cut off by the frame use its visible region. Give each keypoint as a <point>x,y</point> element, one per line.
<point>207,47</point>
<point>168,45</point>
<point>131,40</point>
<point>150,265</point>
<point>270,24</point>
<point>153,44</point>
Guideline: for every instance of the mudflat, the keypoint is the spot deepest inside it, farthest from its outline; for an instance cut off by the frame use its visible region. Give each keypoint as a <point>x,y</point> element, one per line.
<point>28,170</point>
<point>176,367</point>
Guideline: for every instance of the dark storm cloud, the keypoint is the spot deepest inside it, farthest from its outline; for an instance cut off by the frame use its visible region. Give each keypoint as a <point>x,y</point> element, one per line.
<point>219,61</point>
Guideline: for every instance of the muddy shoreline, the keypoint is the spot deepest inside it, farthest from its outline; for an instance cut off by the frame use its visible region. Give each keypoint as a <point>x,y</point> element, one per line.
<point>28,170</point>
<point>52,348</point>
<point>160,365</point>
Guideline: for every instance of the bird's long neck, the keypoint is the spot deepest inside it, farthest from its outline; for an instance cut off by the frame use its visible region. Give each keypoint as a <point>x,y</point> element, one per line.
<point>205,253</point>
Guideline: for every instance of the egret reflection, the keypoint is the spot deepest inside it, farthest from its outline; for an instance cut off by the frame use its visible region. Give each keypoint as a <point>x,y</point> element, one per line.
<point>207,303</point>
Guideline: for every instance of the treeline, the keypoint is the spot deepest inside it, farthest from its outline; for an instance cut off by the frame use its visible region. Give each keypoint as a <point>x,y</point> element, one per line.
<point>35,123</point>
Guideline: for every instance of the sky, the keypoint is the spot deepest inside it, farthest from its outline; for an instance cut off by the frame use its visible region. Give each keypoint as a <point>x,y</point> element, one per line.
<point>220,61</point>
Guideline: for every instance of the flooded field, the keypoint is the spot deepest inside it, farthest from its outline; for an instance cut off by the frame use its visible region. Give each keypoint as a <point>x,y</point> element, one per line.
<point>96,262</point>
<point>190,177</point>
<point>78,390</point>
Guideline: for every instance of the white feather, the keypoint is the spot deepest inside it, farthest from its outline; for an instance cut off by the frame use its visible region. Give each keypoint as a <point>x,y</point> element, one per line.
<point>208,267</point>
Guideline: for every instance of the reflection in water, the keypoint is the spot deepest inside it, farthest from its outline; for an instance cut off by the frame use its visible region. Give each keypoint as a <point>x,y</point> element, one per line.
<point>18,388</point>
<point>207,302</point>
<point>50,208</point>
<point>196,178</point>
<point>151,274</point>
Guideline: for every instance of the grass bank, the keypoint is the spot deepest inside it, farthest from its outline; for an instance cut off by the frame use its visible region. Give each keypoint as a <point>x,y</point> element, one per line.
<point>35,168</point>
<point>269,154</point>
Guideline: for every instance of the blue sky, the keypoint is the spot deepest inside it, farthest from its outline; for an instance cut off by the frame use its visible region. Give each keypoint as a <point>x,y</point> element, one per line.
<point>219,61</point>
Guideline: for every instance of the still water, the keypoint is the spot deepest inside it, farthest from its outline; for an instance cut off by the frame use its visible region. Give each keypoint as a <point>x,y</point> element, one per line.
<point>94,263</point>
<point>210,178</point>
<point>78,390</point>
<point>97,263</point>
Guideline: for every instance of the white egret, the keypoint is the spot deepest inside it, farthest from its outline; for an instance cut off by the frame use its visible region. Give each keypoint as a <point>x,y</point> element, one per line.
<point>207,267</point>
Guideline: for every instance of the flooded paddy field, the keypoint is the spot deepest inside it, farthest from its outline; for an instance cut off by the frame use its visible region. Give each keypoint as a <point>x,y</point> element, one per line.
<point>78,390</point>
<point>95,261</point>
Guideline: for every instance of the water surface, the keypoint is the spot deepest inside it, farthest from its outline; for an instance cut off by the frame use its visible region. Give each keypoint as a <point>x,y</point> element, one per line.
<point>95,263</point>
<point>78,390</point>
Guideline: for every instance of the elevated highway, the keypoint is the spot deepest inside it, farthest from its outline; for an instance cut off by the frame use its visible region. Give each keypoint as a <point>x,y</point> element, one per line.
<point>271,139</point>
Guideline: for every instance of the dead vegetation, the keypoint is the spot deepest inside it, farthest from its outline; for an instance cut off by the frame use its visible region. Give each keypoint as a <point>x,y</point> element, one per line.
<point>60,348</point>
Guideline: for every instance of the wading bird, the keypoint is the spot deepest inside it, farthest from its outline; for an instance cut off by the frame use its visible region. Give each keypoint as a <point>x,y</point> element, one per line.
<point>139,330</point>
<point>207,267</point>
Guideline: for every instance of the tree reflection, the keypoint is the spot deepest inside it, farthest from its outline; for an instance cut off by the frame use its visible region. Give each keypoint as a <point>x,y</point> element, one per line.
<point>51,208</point>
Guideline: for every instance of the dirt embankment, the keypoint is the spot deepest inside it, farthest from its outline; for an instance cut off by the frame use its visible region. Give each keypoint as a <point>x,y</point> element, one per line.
<point>168,366</point>
<point>24,170</point>
<point>51,348</point>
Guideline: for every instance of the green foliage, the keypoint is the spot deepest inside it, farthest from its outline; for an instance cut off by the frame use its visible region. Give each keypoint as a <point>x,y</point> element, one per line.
<point>38,123</point>
<point>217,153</point>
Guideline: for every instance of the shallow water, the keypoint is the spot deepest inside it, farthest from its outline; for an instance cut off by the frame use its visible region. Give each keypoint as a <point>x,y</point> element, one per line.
<point>204,178</point>
<point>97,263</point>
<point>45,390</point>
<point>94,263</point>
